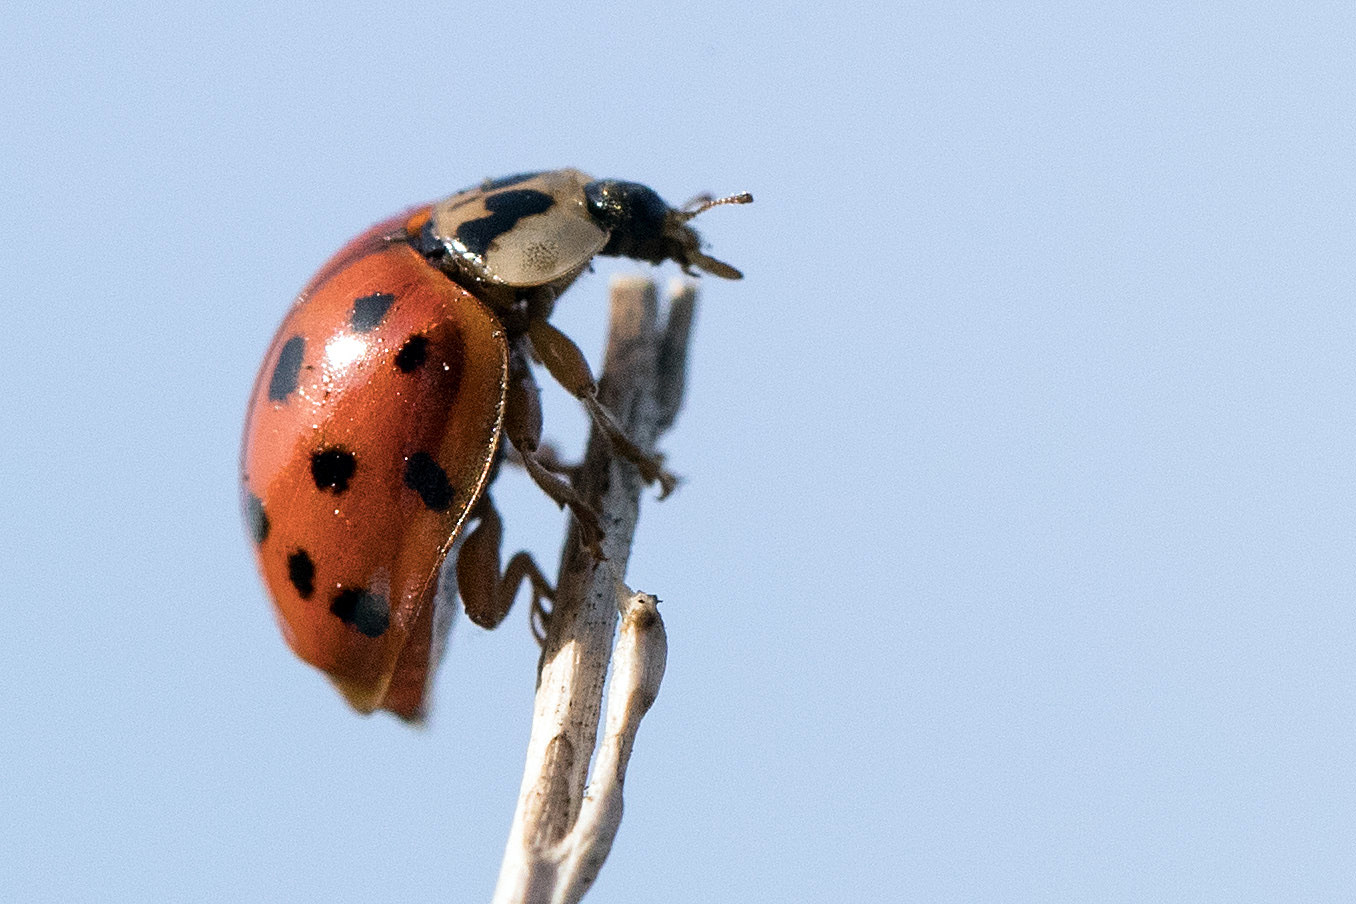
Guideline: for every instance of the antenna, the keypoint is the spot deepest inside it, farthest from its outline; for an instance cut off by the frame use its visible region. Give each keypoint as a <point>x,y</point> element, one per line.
<point>703,203</point>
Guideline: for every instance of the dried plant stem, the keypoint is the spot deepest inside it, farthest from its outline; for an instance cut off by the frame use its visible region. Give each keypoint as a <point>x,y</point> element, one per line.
<point>561,834</point>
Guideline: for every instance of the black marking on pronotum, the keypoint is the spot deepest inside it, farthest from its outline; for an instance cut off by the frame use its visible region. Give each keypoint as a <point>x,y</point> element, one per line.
<point>301,572</point>
<point>427,478</point>
<point>506,209</point>
<point>257,517</point>
<point>412,353</point>
<point>285,373</point>
<point>429,244</point>
<point>332,469</point>
<point>369,310</point>
<point>368,613</point>
<point>506,181</point>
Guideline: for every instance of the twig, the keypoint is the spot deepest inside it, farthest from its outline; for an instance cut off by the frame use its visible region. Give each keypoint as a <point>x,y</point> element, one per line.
<point>561,834</point>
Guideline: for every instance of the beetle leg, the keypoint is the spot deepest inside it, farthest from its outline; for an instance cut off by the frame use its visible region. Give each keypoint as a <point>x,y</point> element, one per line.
<point>566,363</point>
<point>549,457</point>
<point>485,592</point>
<point>522,425</point>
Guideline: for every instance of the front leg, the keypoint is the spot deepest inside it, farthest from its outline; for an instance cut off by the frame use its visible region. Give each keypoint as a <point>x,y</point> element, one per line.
<point>566,363</point>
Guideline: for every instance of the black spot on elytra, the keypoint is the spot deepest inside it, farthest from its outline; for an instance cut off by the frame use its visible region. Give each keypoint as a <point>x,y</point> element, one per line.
<point>301,572</point>
<point>412,353</point>
<point>427,478</point>
<point>506,209</point>
<point>285,373</point>
<point>332,469</point>
<point>369,310</point>
<point>367,612</point>
<point>257,517</point>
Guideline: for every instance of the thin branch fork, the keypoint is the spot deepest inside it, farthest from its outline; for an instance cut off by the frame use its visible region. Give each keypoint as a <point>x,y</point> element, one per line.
<point>562,829</point>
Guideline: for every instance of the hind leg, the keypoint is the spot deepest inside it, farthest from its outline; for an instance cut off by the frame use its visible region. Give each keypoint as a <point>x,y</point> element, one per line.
<point>486,593</point>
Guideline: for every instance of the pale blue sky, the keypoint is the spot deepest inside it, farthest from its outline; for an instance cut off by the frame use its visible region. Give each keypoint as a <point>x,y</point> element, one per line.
<point>1016,556</point>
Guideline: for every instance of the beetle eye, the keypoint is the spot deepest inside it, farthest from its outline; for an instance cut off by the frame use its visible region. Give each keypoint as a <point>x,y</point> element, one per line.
<point>626,206</point>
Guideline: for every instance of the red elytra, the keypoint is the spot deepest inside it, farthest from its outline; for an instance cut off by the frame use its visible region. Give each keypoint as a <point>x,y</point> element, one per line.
<point>375,422</point>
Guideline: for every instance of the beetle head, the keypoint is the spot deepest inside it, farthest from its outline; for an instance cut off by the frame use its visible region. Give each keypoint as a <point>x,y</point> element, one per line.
<point>643,227</point>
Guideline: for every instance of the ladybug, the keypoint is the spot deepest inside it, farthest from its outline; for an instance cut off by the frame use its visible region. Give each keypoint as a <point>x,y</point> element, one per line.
<point>374,428</point>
